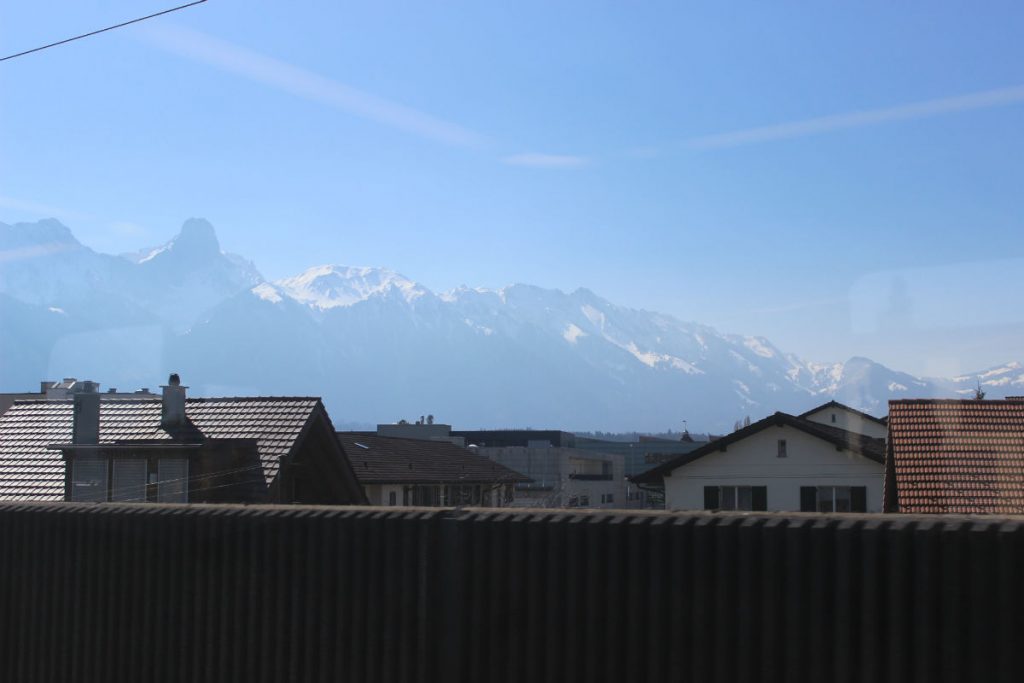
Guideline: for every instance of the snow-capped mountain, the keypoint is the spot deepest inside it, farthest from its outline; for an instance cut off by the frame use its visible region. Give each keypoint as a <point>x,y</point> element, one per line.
<point>379,346</point>
<point>325,287</point>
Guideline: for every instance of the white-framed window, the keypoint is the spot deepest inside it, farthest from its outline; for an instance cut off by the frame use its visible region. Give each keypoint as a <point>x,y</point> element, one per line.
<point>833,498</point>
<point>735,497</point>
<point>782,448</point>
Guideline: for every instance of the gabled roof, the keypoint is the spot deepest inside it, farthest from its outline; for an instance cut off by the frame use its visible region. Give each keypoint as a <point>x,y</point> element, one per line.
<point>871,448</point>
<point>393,460</point>
<point>955,456</point>
<point>31,471</point>
<point>843,406</point>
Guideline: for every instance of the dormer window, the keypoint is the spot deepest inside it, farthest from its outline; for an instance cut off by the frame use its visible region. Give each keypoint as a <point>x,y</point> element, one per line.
<point>172,481</point>
<point>127,478</point>
<point>88,480</point>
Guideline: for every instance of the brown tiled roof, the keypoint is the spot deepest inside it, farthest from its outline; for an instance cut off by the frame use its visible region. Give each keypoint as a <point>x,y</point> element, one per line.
<point>31,471</point>
<point>869,447</point>
<point>956,456</point>
<point>392,460</point>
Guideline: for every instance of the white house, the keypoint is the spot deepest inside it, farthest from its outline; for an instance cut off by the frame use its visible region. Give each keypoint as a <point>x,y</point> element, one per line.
<point>835,414</point>
<point>830,459</point>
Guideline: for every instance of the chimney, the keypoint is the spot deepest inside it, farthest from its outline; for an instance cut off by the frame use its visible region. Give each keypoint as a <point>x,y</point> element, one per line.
<point>85,429</point>
<point>173,410</point>
<point>44,385</point>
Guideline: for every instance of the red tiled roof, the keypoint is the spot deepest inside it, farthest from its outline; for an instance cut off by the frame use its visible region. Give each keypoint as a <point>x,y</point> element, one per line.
<point>31,471</point>
<point>955,456</point>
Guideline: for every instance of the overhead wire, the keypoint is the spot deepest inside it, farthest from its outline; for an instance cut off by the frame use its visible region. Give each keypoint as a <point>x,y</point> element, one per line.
<point>141,488</point>
<point>102,30</point>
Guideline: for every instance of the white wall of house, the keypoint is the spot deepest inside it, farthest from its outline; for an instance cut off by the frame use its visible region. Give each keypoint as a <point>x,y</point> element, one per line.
<point>848,420</point>
<point>380,494</point>
<point>754,461</point>
<point>377,494</point>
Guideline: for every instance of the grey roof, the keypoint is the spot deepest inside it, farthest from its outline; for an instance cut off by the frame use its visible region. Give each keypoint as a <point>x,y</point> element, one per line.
<point>393,460</point>
<point>31,471</point>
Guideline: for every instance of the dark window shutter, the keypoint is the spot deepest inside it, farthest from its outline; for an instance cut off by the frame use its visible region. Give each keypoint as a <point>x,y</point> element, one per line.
<point>859,498</point>
<point>808,498</point>
<point>710,497</point>
<point>759,497</point>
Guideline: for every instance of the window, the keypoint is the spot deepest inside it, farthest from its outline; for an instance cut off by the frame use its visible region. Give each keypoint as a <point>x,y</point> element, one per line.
<point>392,498</point>
<point>425,496</point>
<point>607,498</point>
<point>736,498</point>
<point>89,480</point>
<point>833,498</point>
<point>463,494</point>
<point>584,501</point>
<point>833,418</point>
<point>172,480</point>
<point>782,448</point>
<point>129,480</point>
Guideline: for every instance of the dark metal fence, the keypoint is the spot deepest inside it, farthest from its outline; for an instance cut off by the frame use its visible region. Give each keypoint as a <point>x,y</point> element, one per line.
<point>195,593</point>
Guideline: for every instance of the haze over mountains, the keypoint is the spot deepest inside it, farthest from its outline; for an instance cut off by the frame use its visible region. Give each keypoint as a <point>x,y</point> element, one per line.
<point>378,346</point>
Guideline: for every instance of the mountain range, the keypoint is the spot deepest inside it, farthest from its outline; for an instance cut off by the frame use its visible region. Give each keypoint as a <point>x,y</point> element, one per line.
<point>379,346</point>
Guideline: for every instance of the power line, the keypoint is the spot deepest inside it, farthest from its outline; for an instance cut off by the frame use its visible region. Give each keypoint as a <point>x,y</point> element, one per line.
<point>102,30</point>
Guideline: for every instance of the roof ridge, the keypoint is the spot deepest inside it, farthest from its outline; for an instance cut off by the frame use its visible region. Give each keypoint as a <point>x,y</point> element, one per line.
<point>967,401</point>
<point>859,444</point>
<point>834,402</point>
<point>157,399</point>
<point>227,399</point>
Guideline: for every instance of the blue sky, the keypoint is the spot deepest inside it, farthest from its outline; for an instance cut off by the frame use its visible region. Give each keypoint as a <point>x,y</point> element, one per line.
<point>766,168</point>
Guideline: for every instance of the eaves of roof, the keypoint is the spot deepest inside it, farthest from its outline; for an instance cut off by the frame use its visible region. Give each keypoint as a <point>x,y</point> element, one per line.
<point>870,448</point>
<point>837,404</point>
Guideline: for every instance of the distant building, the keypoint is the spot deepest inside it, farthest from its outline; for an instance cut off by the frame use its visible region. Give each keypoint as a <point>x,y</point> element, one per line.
<point>425,431</point>
<point>563,475</point>
<point>403,472</point>
<point>784,463</point>
<point>173,449</point>
<point>58,391</point>
<point>643,454</point>
<point>955,456</point>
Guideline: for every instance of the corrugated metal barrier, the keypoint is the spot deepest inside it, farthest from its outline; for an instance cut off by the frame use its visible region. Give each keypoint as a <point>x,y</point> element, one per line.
<point>204,593</point>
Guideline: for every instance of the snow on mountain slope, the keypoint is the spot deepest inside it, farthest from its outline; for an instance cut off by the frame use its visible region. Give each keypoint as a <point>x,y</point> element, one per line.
<point>330,286</point>
<point>377,345</point>
<point>169,285</point>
